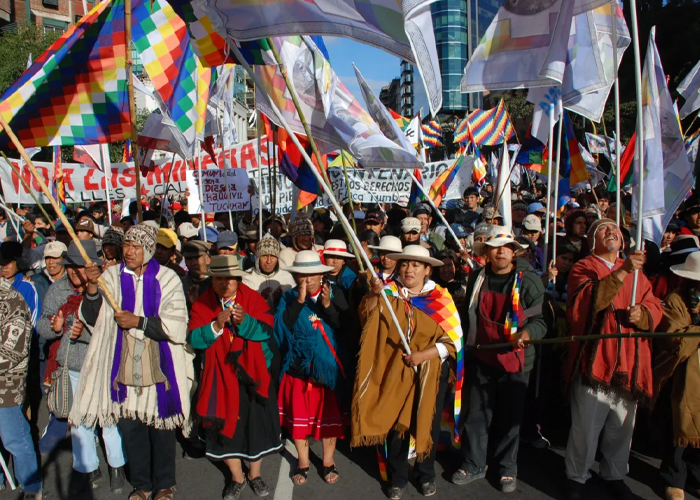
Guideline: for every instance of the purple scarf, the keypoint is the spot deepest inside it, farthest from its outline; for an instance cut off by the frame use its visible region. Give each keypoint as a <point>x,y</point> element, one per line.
<point>169,404</point>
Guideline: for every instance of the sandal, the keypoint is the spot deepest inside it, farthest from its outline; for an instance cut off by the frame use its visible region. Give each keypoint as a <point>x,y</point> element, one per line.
<point>139,495</point>
<point>302,473</point>
<point>327,471</point>
<point>166,494</point>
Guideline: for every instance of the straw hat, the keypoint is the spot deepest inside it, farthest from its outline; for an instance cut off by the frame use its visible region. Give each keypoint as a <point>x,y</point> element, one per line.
<point>498,237</point>
<point>337,248</point>
<point>417,253</point>
<point>690,269</point>
<point>388,244</point>
<point>307,262</point>
<point>225,266</point>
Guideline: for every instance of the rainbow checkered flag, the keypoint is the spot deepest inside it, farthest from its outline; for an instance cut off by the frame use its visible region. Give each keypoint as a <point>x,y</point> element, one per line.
<point>58,187</point>
<point>128,154</point>
<point>432,134</point>
<point>514,316</point>
<point>492,126</point>
<point>75,93</point>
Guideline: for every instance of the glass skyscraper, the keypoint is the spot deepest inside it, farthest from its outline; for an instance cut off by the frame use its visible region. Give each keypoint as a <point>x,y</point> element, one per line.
<point>450,24</point>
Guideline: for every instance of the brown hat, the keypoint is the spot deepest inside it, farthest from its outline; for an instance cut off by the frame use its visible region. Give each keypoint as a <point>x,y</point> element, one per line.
<point>86,225</point>
<point>195,248</point>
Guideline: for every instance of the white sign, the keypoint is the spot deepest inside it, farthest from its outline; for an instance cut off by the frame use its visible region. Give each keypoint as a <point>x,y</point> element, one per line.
<point>217,194</point>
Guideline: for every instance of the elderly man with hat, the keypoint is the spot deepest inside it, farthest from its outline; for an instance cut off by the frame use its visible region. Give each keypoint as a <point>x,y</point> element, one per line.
<point>266,277</point>
<point>309,329</point>
<point>677,381</point>
<point>411,234</point>
<point>237,400</point>
<point>387,245</point>
<point>607,378</point>
<point>60,321</point>
<point>196,254</point>
<point>532,230</point>
<point>166,248</point>
<point>506,291</point>
<point>424,214</point>
<point>301,237</point>
<point>137,371</point>
<point>336,255</point>
<point>389,399</point>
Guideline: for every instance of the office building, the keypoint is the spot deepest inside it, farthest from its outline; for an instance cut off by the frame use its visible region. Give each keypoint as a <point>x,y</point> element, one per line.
<point>390,94</point>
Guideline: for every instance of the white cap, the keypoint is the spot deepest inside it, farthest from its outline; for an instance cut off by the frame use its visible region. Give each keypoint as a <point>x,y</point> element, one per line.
<point>187,230</point>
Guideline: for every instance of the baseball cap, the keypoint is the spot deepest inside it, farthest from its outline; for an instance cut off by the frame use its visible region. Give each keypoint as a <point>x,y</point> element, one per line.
<point>532,223</point>
<point>195,248</point>
<point>410,224</point>
<point>227,239</point>
<point>167,238</point>
<point>519,205</point>
<point>376,216</point>
<point>176,206</point>
<point>422,210</point>
<point>55,249</point>
<point>535,207</point>
<point>187,230</point>
<point>459,230</point>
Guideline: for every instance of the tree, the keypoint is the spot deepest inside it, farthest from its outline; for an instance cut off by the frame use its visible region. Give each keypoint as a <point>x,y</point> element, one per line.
<point>15,47</point>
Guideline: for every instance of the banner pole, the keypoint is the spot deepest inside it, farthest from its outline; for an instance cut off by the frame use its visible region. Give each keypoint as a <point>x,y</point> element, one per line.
<point>616,93</point>
<point>132,104</point>
<point>347,187</point>
<point>108,183</point>
<point>260,214</point>
<point>639,149</point>
<point>550,168</point>
<point>28,189</point>
<point>325,187</point>
<point>203,223</point>
<point>556,188</point>
<point>57,209</point>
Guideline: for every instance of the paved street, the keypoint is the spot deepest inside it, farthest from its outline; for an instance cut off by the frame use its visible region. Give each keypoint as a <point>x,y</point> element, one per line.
<point>540,476</point>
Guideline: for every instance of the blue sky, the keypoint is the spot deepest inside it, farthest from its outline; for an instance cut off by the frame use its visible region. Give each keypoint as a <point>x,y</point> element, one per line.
<point>377,67</point>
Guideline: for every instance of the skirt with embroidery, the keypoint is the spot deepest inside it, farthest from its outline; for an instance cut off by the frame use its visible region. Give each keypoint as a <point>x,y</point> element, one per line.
<point>308,409</point>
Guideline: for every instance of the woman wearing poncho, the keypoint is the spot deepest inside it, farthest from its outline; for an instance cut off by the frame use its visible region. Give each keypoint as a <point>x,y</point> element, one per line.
<point>237,404</point>
<point>391,401</point>
<point>137,372</point>
<point>307,324</point>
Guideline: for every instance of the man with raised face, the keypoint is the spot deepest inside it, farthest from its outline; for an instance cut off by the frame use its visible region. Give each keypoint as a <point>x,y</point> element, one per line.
<point>607,379</point>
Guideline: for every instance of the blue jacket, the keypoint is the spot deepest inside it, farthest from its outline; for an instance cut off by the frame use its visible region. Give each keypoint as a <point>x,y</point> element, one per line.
<point>27,290</point>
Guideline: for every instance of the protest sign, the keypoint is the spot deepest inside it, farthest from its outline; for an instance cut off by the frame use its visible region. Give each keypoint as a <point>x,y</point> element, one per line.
<point>217,194</point>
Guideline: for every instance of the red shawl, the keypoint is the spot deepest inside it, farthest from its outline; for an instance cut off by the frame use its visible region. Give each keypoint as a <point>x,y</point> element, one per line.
<point>620,363</point>
<point>230,362</point>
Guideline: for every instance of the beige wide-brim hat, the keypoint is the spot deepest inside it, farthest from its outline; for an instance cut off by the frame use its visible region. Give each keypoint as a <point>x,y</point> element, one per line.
<point>225,266</point>
<point>388,244</point>
<point>307,262</point>
<point>690,269</point>
<point>337,248</point>
<point>499,237</point>
<point>417,253</point>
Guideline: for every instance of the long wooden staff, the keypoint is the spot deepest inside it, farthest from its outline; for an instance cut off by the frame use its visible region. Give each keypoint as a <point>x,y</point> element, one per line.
<point>586,338</point>
<point>57,209</point>
<point>29,189</point>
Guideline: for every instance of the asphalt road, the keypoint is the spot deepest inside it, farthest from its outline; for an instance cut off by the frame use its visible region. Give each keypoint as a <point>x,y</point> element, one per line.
<point>540,475</point>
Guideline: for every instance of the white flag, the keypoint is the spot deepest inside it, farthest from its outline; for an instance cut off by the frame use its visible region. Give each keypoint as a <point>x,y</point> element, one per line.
<point>690,90</point>
<point>503,189</point>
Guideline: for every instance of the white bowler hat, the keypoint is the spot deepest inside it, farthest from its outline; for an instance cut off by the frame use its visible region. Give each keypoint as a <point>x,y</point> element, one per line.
<point>499,236</point>
<point>417,253</point>
<point>337,248</point>
<point>307,262</point>
<point>388,244</point>
<point>690,269</point>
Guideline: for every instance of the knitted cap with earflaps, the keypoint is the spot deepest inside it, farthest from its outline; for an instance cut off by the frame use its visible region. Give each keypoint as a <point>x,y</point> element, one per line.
<point>268,245</point>
<point>300,227</point>
<point>144,235</point>
<point>113,236</point>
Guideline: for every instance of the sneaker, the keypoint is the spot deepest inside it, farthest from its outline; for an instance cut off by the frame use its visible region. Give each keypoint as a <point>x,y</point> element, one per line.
<point>619,489</point>
<point>394,493</point>
<point>117,479</point>
<point>428,489</point>
<point>674,493</point>
<point>32,495</point>
<point>462,477</point>
<point>508,484</point>
<point>574,490</point>
<point>233,490</point>
<point>259,487</point>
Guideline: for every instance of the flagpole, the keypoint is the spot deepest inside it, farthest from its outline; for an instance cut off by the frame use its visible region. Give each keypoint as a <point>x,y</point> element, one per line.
<point>556,189</point>
<point>550,166</point>
<point>29,190</point>
<point>639,144</point>
<point>228,189</point>
<point>201,191</point>
<point>616,93</point>
<point>347,187</point>
<point>341,216</point>
<point>132,104</point>
<point>108,183</point>
<point>260,214</point>
<point>40,180</point>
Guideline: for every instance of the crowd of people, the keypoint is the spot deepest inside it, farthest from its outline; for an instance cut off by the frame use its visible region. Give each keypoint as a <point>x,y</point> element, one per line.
<point>230,333</point>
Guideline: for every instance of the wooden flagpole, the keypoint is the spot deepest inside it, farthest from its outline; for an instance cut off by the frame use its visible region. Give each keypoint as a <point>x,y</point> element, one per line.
<point>29,190</point>
<point>549,190</point>
<point>57,209</point>
<point>132,107</point>
<point>322,183</point>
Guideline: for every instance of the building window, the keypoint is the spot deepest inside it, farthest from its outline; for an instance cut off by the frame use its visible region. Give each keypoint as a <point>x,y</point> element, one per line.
<point>50,3</point>
<point>53,26</point>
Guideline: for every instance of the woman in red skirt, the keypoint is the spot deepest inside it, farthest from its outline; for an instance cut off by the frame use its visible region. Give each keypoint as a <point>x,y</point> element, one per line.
<point>306,326</point>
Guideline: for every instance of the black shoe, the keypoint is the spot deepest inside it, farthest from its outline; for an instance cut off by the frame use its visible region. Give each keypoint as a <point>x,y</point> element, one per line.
<point>259,487</point>
<point>117,479</point>
<point>574,490</point>
<point>81,481</point>
<point>394,493</point>
<point>233,490</point>
<point>428,489</point>
<point>508,484</point>
<point>95,477</point>
<point>619,489</point>
<point>193,454</point>
<point>462,477</point>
